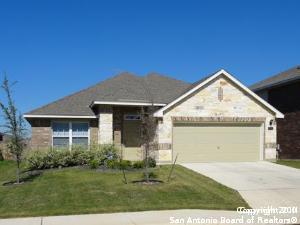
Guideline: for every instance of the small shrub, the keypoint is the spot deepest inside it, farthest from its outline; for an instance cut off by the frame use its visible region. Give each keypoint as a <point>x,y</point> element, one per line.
<point>36,161</point>
<point>138,165</point>
<point>141,164</point>
<point>94,164</point>
<point>78,147</point>
<point>81,157</point>
<point>65,159</point>
<point>110,152</point>
<point>53,158</point>
<point>98,155</point>
<point>125,164</point>
<point>112,164</point>
<point>151,162</point>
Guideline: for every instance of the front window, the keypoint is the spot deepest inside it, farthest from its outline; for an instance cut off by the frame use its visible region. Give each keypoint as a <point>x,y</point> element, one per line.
<point>80,133</point>
<point>132,117</point>
<point>61,134</point>
<point>70,133</point>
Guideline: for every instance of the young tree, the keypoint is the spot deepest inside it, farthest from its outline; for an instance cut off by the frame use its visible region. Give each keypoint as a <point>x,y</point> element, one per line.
<point>14,126</point>
<point>148,130</point>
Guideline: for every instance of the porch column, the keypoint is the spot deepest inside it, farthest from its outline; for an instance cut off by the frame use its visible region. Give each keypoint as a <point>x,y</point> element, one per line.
<point>105,125</point>
<point>117,125</point>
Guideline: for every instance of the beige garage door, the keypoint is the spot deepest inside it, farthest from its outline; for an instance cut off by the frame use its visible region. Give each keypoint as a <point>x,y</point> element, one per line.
<point>216,142</point>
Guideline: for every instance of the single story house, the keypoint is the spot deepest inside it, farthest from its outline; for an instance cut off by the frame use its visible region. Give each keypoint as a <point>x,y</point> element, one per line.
<point>283,92</point>
<point>215,119</point>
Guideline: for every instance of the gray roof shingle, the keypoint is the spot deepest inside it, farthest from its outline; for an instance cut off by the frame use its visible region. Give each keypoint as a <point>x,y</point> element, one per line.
<point>281,78</point>
<point>123,87</point>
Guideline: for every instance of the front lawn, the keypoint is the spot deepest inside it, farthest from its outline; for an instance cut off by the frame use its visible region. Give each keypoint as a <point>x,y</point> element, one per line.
<point>80,191</point>
<point>291,163</point>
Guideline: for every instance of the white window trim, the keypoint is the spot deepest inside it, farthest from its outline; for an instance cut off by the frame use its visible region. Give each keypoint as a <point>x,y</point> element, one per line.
<point>58,116</point>
<point>70,131</point>
<point>70,135</point>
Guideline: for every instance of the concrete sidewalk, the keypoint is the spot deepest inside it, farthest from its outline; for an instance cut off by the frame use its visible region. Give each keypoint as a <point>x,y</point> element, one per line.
<point>140,218</point>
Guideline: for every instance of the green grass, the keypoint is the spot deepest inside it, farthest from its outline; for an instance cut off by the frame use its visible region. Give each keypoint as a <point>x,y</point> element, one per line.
<point>291,163</point>
<point>80,191</point>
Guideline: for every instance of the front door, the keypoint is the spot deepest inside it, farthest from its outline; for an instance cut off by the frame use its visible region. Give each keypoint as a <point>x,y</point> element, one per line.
<point>132,139</point>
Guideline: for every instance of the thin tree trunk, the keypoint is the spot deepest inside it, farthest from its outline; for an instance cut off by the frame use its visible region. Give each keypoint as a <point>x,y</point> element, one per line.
<point>146,162</point>
<point>18,171</point>
<point>170,174</point>
<point>124,176</point>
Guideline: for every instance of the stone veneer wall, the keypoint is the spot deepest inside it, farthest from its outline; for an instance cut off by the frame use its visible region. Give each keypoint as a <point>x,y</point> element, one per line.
<point>105,125</point>
<point>235,103</point>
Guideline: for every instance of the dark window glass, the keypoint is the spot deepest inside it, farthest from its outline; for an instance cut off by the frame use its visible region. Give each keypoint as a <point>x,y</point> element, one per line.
<point>60,141</point>
<point>60,129</point>
<point>80,129</point>
<point>82,141</point>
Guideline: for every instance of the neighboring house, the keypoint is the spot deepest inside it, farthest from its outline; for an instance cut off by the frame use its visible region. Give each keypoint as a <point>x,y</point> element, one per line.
<point>283,92</point>
<point>3,146</point>
<point>2,137</point>
<point>214,119</point>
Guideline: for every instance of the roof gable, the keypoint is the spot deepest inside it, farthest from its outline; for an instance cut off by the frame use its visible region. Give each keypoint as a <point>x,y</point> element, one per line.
<point>200,84</point>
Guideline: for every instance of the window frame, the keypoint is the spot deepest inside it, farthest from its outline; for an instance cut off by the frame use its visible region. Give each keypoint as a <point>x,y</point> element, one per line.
<point>70,131</point>
<point>132,115</point>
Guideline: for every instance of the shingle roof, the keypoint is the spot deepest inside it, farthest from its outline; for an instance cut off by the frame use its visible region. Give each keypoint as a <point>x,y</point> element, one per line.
<point>283,77</point>
<point>123,87</point>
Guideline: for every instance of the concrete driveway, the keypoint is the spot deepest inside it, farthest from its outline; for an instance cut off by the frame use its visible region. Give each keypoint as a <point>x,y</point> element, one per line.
<point>261,184</point>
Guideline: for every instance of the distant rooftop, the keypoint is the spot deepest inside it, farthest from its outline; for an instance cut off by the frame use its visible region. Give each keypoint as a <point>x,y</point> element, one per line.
<point>279,79</point>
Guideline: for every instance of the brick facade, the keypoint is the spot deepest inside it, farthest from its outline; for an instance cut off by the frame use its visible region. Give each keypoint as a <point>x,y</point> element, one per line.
<point>41,133</point>
<point>94,132</point>
<point>289,135</point>
<point>286,99</point>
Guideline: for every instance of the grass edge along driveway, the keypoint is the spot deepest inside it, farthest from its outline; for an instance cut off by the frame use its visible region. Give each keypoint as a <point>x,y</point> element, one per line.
<point>83,191</point>
<point>290,163</point>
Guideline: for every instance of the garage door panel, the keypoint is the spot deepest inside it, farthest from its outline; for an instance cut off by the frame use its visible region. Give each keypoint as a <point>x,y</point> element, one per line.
<point>217,142</point>
<point>226,139</point>
<point>213,158</point>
